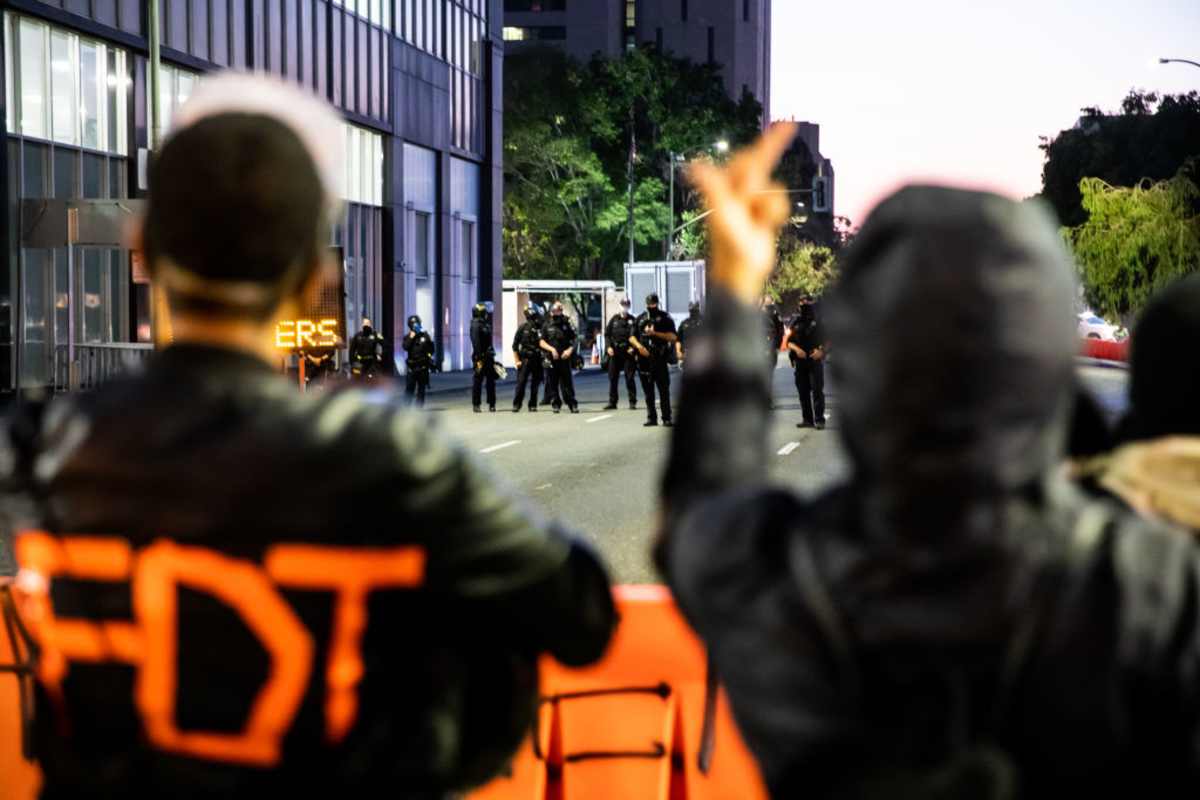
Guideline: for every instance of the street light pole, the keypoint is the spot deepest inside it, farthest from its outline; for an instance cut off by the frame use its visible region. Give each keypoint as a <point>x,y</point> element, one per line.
<point>1178,61</point>
<point>668,246</point>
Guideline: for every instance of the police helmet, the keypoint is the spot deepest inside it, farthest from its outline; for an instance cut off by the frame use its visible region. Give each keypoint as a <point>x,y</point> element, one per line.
<point>652,299</point>
<point>693,308</point>
<point>414,323</point>
<point>533,312</point>
<point>480,311</point>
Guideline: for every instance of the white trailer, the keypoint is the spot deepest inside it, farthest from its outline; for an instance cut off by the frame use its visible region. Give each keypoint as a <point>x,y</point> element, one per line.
<point>677,284</point>
<point>598,299</point>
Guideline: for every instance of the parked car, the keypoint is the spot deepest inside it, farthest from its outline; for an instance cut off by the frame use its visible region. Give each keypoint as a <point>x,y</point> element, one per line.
<point>1093,327</point>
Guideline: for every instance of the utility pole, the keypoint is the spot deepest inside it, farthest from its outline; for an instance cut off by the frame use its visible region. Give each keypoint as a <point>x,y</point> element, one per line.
<point>632,155</point>
<point>159,326</point>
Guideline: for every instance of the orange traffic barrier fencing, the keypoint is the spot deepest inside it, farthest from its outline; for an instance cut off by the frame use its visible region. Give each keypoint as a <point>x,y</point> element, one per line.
<point>645,723</point>
<point>20,779</point>
<point>633,726</point>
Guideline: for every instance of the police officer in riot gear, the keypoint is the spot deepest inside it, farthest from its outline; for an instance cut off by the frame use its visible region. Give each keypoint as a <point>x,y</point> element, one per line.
<point>366,352</point>
<point>420,362</point>
<point>654,339</point>
<point>688,328</point>
<point>558,343</point>
<point>527,353</point>
<point>483,357</point>
<point>806,350</point>
<point>622,358</point>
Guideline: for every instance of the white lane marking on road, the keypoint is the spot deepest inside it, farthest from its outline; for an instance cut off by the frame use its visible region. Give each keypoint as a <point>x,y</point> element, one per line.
<point>788,449</point>
<point>494,448</point>
<point>543,486</point>
<point>599,419</point>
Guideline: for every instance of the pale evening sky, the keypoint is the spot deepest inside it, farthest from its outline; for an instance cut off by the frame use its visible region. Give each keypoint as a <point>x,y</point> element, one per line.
<point>958,91</point>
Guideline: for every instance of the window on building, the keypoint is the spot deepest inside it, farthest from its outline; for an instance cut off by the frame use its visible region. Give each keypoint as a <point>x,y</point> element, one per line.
<point>683,9</point>
<point>630,14</point>
<point>71,88</point>
<point>745,10</point>
<point>535,5</point>
<point>468,250</point>
<point>535,33</point>
<point>364,166</point>
<point>421,244</point>
<point>175,87</point>
<point>712,44</point>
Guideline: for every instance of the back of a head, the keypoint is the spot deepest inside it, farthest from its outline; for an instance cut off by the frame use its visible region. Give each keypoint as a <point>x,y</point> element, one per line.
<point>1164,372</point>
<point>954,345</point>
<point>241,197</point>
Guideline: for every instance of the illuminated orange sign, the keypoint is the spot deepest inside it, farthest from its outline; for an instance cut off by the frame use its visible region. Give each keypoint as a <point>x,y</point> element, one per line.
<point>301,334</point>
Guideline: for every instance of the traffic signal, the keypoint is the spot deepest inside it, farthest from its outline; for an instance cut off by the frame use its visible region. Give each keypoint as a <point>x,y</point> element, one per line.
<point>821,194</point>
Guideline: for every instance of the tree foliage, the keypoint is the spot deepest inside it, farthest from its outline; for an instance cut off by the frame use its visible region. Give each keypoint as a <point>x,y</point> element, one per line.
<point>569,128</point>
<point>1150,138</point>
<point>1135,240</point>
<point>807,268</point>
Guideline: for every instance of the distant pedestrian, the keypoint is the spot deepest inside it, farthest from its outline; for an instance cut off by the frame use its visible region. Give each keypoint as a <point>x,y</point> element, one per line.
<point>527,354</point>
<point>483,358</point>
<point>654,340</point>
<point>419,346</point>
<point>558,342</point>
<point>806,350</point>
<point>622,358</point>
<point>688,328</point>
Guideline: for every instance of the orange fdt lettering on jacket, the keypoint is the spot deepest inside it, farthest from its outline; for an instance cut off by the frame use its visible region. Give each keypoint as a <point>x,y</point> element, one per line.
<point>150,644</point>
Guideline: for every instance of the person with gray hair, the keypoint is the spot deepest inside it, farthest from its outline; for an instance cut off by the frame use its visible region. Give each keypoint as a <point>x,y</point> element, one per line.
<point>954,619</point>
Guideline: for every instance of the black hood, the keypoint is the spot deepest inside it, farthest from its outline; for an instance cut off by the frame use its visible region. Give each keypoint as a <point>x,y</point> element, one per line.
<point>954,339</point>
<point>1164,380</point>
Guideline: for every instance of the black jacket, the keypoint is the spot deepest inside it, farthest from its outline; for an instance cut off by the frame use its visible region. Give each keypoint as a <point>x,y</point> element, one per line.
<point>951,539</point>
<point>366,347</point>
<point>806,333</point>
<point>526,342</point>
<point>231,497</point>
<point>420,351</point>
<point>660,322</point>
<point>689,328</point>
<point>481,340</point>
<point>618,331</point>
<point>559,333</point>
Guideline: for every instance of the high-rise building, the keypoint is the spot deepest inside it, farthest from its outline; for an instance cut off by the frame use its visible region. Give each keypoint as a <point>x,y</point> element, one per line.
<point>417,81</point>
<point>733,33</point>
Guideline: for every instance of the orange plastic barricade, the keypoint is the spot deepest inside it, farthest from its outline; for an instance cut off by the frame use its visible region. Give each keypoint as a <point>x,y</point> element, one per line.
<point>632,725</point>
<point>19,779</point>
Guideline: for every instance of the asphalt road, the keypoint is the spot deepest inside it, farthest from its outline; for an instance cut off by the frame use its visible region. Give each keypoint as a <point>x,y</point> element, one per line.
<point>598,471</point>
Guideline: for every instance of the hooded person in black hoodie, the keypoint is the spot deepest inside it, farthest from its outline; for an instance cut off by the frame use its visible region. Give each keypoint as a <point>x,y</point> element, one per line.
<point>956,610</point>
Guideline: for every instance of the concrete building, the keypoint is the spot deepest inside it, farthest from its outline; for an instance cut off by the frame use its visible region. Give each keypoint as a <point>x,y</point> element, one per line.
<point>733,33</point>
<point>417,81</point>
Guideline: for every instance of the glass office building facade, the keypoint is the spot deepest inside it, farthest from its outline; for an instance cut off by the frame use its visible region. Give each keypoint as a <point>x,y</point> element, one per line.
<point>417,81</point>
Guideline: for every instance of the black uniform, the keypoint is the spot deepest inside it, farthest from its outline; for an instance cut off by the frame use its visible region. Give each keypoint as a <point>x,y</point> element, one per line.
<point>366,353</point>
<point>774,334</point>
<point>624,357</point>
<point>483,358</point>
<point>233,522</point>
<point>319,365</point>
<point>419,347</point>
<point>559,333</point>
<point>689,328</point>
<point>653,369</point>
<point>810,372</point>
<point>527,347</point>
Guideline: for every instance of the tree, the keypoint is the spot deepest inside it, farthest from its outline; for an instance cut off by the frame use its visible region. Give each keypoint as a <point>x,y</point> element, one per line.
<point>569,128</point>
<point>807,269</point>
<point>1151,137</point>
<point>1135,240</point>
